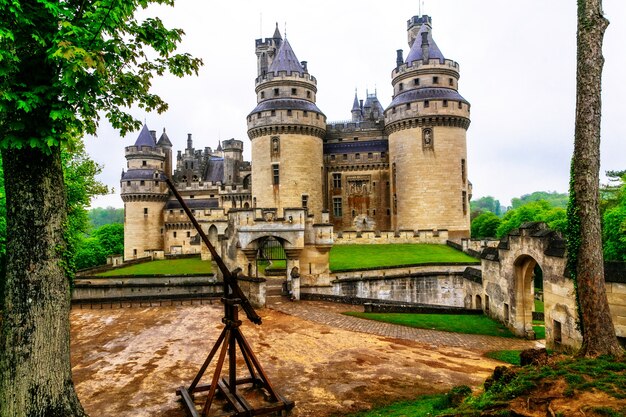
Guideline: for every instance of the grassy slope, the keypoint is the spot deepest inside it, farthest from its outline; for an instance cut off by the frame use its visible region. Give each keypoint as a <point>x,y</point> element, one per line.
<point>347,257</point>
<point>445,322</point>
<point>163,267</point>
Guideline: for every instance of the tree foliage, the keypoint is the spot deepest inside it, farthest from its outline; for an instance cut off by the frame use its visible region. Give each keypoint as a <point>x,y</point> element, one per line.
<point>536,211</point>
<point>485,225</point>
<point>487,203</point>
<point>99,216</point>
<point>555,199</point>
<point>63,65</point>
<point>614,222</point>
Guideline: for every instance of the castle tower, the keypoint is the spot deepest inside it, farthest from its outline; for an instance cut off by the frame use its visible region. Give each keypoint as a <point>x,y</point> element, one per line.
<point>266,51</point>
<point>286,130</point>
<point>144,194</point>
<point>233,157</point>
<point>357,112</point>
<point>166,145</point>
<point>427,122</point>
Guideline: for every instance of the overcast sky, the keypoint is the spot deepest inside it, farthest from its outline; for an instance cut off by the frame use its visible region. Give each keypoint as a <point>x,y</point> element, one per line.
<point>518,68</point>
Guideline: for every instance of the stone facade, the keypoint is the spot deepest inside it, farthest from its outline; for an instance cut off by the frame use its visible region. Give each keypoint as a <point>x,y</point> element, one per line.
<point>400,169</point>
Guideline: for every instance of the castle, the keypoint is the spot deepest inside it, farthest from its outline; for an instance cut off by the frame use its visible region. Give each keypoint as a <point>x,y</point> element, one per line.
<point>399,168</point>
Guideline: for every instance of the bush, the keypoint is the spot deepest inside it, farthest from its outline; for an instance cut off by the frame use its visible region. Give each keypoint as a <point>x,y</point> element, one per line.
<point>485,225</point>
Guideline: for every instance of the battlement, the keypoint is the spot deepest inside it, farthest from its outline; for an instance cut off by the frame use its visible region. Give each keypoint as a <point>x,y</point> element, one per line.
<point>419,21</point>
<point>232,145</point>
<point>266,42</point>
<point>352,126</point>
<point>431,65</point>
<point>284,76</point>
<point>145,151</point>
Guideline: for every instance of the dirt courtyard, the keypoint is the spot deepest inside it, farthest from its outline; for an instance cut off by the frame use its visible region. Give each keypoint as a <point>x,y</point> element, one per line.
<point>129,361</point>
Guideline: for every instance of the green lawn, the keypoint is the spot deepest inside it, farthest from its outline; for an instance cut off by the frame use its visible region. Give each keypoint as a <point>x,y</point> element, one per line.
<point>350,257</point>
<point>163,267</point>
<point>539,306</point>
<point>508,356</point>
<point>427,405</point>
<point>457,323</point>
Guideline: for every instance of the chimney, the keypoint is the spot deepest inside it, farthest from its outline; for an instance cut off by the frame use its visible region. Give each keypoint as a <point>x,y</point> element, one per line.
<point>153,134</point>
<point>303,63</point>
<point>189,141</point>
<point>425,47</point>
<point>361,103</point>
<point>399,58</point>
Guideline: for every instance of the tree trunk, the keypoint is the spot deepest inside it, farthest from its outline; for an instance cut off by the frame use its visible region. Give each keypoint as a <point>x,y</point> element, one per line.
<point>585,246</point>
<point>35,371</point>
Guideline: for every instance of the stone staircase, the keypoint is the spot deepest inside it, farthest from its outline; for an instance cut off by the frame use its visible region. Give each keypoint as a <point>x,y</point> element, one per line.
<point>274,290</point>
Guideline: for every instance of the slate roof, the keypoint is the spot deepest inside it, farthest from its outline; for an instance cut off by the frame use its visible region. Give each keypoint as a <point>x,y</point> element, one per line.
<point>381,145</point>
<point>355,105</point>
<point>164,140</point>
<point>193,203</point>
<point>286,60</point>
<point>286,104</point>
<point>415,54</point>
<point>215,170</point>
<point>372,102</point>
<point>277,33</point>
<point>144,138</point>
<point>425,94</point>
<point>138,174</point>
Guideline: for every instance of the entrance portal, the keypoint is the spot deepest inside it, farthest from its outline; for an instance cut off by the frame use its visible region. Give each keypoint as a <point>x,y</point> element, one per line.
<point>528,315</point>
<point>271,259</point>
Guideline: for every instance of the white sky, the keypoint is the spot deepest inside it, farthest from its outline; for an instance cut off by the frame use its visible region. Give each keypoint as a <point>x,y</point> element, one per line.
<point>518,67</point>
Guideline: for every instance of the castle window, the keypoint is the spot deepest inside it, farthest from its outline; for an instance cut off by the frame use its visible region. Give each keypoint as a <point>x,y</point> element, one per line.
<point>344,156</point>
<point>388,212</point>
<point>317,115</point>
<point>357,156</point>
<point>144,163</point>
<point>188,234</point>
<point>145,211</point>
<point>353,213</point>
<point>451,82</point>
<point>275,174</point>
<point>464,198</point>
<point>382,155</point>
<point>426,103</point>
<point>408,105</point>
<point>258,115</point>
<point>337,209</point>
<point>181,211</point>
<point>171,211</point>
<point>340,139</point>
<point>275,145</point>
<point>191,196</point>
<point>305,200</point>
<point>273,113</point>
<point>370,155</point>
<point>135,252</point>
<point>373,212</point>
<point>128,183</point>
<point>174,234</point>
<point>142,182</point>
<point>262,94</point>
<point>356,139</point>
<point>400,87</point>
<point>445,103</point>
<point>332,158</point>
<point>336,180</point>
<point>416,81</point>
<point>393,110</point>
<point>308,94</point>
<point>305,113</point>
<point>156,183</point>
<point>460,105</point>
<point>463,170</point>
<point>435,80</point>
<point>276,92</point>
<point>288,112</point>
<point>294,91</point>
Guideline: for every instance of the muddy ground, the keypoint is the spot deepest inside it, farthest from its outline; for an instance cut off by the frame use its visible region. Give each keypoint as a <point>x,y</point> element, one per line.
<point>129,361</point>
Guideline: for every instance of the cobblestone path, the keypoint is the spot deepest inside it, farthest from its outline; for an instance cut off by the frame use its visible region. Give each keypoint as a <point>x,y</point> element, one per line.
<point>330,314</point>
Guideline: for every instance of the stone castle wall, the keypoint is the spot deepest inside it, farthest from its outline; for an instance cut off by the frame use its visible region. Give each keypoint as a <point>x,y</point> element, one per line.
<point>142,232</point>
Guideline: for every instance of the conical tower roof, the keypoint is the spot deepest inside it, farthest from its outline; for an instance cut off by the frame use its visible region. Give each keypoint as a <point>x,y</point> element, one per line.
<point>219,146</point>
<point>355,105</point>
<point>415,54</point>
<point>164,140</point>
<point>277,33</point>
<point>286,60</point>
<point>144,138</point>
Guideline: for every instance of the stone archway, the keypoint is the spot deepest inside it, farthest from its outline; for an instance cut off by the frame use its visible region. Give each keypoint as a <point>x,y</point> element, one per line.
<point>521,312</point>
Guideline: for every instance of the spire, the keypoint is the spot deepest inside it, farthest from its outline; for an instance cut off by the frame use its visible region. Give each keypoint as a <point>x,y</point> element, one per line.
<point>424,43</point>
<point>277,33</point>
<point>286,60</point>
<point>145,137</point>
<point>164,140</point>
<point>355,105</point>
<point>219,144</point>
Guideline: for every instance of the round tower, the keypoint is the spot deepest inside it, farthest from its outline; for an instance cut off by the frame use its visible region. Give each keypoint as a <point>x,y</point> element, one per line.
<point>427,122</point>
<point>286,130</point>
<point>144,194</point>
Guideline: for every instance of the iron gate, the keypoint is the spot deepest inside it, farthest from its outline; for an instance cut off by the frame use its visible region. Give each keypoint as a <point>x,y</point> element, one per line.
<point>271,257</point>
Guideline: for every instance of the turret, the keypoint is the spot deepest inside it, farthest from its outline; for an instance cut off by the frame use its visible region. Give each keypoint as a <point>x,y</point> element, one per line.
<point>286,130</point>
<point>427,122</point>
<point>233,157</point>
<point>144,194</point>
<point>357,112</point>
<point>266,51</point>
<point>166,145</point>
